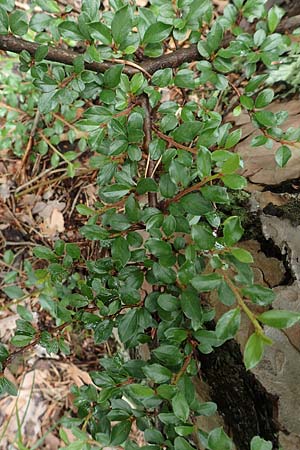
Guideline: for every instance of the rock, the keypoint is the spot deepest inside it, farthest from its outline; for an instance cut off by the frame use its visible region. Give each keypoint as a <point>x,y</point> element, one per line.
<point>279,369</point>
<point>259,164</point>
<point>286,236</point>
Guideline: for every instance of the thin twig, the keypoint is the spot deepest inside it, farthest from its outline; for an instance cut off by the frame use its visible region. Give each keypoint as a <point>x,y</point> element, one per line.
<point>152,196</point>
<point>172,142</point>
<point>21,171</point>
<point>193,188</point>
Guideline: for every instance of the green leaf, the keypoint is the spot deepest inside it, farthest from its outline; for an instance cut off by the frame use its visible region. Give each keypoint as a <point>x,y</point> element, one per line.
<point>246,102</point>
<point>166,186</point>
<point>168,302</point>
<point>254,351</point>
<point>231,164</point>
<point>100,32</point>
<point>159,248</point>
<point>140,391</point>
<point>260,295</point>
<point>180,406</point>
<point>265,118</point>
<point>168,355</point>
<point>216,194</point>
<point>18,22</point>
<point>146,185</point>
<point>41,53</point>
<point>169,225</point>
<point>214,37</point>
<point>73,250</point>
<point>3,21</point>
<point>218,439</point>
<point>191,306</point>
<point>162,78</point>
<point>128,325</point>
<point>94,232</point>
<point>184,430</point>
<point>264,98</point>
<point>234,181</point>
<point>255,82</point>
<point>258,443</point>
<point>113,193</point>
<point>228,324</point>
<point>203,236</point>
<point>70,30</point>
<point>279,318</point>
<point>13,292</point>
<point>24,313</point>
<point>186,132</point>
<point>206,283</point>
<point>225,294</point>
<point>153,436</point>
<point>196,204</point>
<point>206,408</point>
<point>7,387</point>
<point>103,331</point>
<point>50,6</point>
<point>3,353</point>
<point>233,230</point>
<point>165,275</point>
<point>120,250</point>
<point>203,162</point>
<point>112,76</point>
<point>121,24</point>
<point>233,138</point>
<point>242,255</point>
<point>157,373</point>
<point>181,444</point>
<point>282,155</point>
<point>157,32</point>
<point>91,8</point>
<point>120,433</point>
<point>20,340</point>
<point>275,14</point>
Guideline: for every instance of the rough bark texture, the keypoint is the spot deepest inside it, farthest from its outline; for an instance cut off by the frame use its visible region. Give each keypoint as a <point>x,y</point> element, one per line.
<point>247,408</point>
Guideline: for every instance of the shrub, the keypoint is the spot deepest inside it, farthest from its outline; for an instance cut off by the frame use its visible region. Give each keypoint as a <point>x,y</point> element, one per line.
<point>153,83</point>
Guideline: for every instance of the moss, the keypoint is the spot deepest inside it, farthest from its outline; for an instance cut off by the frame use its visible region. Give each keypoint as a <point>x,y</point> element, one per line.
<point>290,211</point>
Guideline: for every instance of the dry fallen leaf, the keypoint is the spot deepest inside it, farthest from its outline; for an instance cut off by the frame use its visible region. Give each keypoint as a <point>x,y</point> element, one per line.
<point>55,223</point>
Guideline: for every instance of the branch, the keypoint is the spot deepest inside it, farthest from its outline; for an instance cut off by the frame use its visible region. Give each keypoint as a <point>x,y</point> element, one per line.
<point>151,65</point>
<point>67,56</point>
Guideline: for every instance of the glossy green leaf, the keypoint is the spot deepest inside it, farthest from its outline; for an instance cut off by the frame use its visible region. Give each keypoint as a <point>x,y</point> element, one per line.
<point>254,351</point>
<point>112,76</point>
<point>228,324</point>
<point>279,318</point>
<point>283,155</point>
<point>234,181</point>
<point>274,16</point>
<point>258,443</point>
<point>121,24</point>
<point>180,406</point>
<point>182,444</point>
<point>120,433</point>
<point>233,230</point>
<point>7,387</point>
<point>157,373</point>
<point>13,292</point>
<point>18,22</point>
<point>264,98</point>
<point>206,283</point>
<point>218,439</point>
<point>186,132</point>
<point>259,294</point>
<point>242,255</point>
<point>157,32</point>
